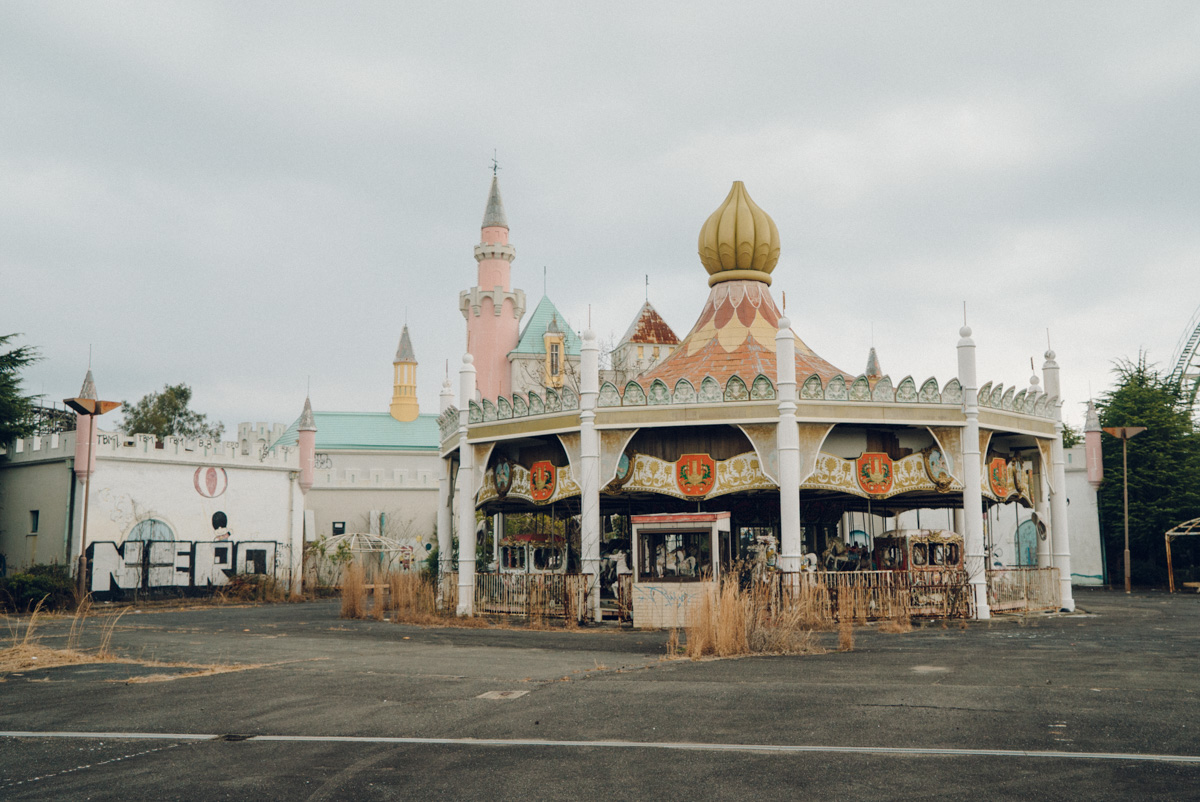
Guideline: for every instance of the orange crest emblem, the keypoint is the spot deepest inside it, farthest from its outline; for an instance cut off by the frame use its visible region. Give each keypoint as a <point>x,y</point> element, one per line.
<point>998,477</point>
<point>695,474</point>
<point>541,481</point>
<point>875,473</point>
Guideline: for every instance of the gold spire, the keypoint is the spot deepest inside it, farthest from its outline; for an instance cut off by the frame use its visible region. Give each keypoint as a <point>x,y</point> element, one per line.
<point>739,240</point>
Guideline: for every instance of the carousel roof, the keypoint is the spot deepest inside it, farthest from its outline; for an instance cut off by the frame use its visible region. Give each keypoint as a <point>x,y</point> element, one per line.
<point>735,335</point>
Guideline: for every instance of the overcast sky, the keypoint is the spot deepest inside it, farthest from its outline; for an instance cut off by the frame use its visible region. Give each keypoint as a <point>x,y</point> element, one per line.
<point>241,196</point>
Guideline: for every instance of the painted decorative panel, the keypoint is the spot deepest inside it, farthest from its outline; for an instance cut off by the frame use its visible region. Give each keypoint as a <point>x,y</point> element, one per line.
<point>474,413</point>
<point>609,396</point>
<point>536,407</point>
<point>836,390</point>
<point>883,390</point>
<point>952,392</point>
<point>929,392</point>
<point>685,393</point>
<point>906,392</point>
<point>553,402</point>
<point>812,390</point>
<point>520,408</point>
<point>1018,402</point>
<point>736,474</point>
<point>710,391</point>
<point>503,408</point>
<point>1031,401</point>
<point>735,390</point>
<point>659,394</point>
<point>1039,406</point>
<point>569,399</point>
<point>998,397</point>
<point>907,475</point>
<point>762,389</point>
<point>521,487</point>
<point>634,396</point>
<point>860,390</point>
<point>1006,400</point>
<point>985,395</point>
<point>489,410</point>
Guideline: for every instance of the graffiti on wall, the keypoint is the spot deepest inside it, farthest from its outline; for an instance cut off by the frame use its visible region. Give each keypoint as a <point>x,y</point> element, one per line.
<point>166,566</point>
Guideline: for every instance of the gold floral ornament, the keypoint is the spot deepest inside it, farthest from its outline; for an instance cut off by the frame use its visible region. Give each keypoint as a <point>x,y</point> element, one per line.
<point>739,240</point>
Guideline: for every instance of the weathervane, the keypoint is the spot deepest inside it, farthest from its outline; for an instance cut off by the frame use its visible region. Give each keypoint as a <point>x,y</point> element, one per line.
<point>495,164</point>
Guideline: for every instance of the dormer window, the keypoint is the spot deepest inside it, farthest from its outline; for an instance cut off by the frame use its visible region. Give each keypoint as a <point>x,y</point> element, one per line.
<point>555,359</point>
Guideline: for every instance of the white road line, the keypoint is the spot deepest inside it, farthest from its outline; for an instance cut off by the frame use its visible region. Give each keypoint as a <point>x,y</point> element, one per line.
<point>672,745</point>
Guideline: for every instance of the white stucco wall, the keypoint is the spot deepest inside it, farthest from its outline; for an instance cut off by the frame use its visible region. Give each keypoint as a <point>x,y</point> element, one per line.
<point>1087,559</point>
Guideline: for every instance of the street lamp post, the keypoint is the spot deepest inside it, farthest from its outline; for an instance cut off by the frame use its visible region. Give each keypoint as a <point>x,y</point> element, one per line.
<point>93,409</point>
<point>1123,433</point>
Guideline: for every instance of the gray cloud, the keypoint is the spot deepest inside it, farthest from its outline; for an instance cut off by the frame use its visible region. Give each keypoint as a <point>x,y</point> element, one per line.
<point>241,196</point>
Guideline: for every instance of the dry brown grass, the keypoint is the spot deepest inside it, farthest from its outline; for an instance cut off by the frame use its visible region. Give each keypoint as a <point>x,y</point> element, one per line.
<point>845,622</point>
<point>354,591</point>
<point>735,621</point>
<point>896,626</point>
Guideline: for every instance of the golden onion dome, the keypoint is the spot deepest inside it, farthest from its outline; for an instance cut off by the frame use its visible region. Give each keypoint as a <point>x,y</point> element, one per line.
<point>739,240</point>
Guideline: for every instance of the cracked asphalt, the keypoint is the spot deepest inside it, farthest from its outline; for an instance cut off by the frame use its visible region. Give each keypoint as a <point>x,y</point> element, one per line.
<point>1051,707</point>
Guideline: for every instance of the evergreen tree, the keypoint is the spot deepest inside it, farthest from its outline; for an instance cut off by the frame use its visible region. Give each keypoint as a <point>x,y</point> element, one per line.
<point>1164,461</point>
<point>16,410</point>
<point>166,414</point>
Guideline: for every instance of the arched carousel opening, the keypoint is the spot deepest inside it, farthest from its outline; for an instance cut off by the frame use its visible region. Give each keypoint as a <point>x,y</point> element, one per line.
<point>745,455</point>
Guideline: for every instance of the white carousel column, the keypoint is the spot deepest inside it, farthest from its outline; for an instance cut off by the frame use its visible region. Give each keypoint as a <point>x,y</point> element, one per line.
<point>1043,511</point>
<point>972,477</point>
<point>466,492</point>
<point>589,463</point>
<point>445,515</point>
<point>787,436</point>
<point>445,535</point>
<point>1059,530</point>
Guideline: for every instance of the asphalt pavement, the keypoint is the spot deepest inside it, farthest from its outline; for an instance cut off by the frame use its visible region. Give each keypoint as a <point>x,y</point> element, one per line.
<point>1101,704</point>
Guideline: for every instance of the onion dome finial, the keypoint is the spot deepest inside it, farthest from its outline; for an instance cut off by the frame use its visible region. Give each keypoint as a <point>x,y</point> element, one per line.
<point>739,240</point>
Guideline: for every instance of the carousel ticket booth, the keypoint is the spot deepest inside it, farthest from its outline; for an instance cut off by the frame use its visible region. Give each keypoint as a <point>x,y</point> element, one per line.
<point>676,563</point>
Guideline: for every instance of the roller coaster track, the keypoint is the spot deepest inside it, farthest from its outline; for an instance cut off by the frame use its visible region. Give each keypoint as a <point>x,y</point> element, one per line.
<point>1187,361</point>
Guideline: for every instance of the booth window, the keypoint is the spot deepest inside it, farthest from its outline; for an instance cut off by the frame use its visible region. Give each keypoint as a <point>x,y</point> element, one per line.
<point>919,554</point>
<point>547,559</point>
<point>513,557</point>
<point>675,556</point>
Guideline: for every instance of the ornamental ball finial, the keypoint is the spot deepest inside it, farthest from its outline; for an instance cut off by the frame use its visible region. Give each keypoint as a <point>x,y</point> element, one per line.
<point>965,331</point>
<point>739,240</point>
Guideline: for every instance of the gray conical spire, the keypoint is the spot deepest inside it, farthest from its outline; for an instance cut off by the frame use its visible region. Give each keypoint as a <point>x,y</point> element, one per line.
<point>494,214</point>
<point>307,422</point>
<point>89,387</point>
<point>404,352</point>
<point>873,369</point>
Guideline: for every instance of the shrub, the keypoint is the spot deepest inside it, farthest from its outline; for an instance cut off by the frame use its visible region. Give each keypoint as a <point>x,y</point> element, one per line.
<point>22,591</point>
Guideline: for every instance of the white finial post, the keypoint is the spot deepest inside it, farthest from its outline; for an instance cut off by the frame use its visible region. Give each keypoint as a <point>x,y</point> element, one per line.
<point>589,456</point>
<point>466,491</point>
<point>1059,527</point>
<point>972,474</point>
<point>787,440</point>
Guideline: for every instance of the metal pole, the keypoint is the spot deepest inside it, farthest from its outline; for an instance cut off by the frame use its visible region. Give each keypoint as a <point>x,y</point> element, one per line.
<point>1124,479</point>
<point>87,484</point>
<point>1170,570</point>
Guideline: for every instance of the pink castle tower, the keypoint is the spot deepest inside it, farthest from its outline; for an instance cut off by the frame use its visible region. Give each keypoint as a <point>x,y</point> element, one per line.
<point>492,308</point>
<point>85,463</point>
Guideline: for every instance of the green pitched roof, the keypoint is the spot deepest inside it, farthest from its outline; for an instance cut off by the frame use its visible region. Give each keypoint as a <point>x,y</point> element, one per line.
<point>370,431</point>
<point>531,338</point>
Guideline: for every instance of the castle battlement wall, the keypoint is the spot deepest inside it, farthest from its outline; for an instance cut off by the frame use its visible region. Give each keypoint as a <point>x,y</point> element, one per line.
<point>148,448</point>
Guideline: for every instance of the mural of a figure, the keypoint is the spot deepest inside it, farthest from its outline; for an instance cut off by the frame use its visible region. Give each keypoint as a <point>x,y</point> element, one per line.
<point>220,524</point>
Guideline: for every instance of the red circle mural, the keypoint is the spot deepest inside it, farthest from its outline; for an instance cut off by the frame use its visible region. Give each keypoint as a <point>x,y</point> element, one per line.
<point>210,482</point>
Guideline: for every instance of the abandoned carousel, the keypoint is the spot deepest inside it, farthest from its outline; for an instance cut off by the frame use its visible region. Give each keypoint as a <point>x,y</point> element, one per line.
<point>745,454</point>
